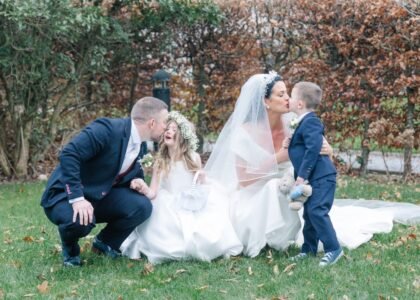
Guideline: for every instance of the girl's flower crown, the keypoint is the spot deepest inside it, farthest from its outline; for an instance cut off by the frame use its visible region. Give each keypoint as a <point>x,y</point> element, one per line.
<point>186,129</point>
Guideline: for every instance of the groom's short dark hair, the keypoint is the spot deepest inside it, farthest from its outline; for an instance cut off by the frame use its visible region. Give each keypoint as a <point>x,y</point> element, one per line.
<point>147,108</point>
<point>310,93</point>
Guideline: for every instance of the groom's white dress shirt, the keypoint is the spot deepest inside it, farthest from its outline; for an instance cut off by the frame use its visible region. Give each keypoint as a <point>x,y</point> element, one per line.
<point>133,149</point>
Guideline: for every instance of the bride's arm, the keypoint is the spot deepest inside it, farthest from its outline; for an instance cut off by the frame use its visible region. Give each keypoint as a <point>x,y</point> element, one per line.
<point>326,149</point>
<point>282,155</point>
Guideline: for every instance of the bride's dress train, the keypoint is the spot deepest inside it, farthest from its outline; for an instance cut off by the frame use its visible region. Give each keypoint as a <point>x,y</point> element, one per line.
<point>261,216</point>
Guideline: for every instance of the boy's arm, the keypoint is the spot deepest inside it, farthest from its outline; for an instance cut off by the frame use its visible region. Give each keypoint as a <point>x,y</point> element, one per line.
<point>312,138</point>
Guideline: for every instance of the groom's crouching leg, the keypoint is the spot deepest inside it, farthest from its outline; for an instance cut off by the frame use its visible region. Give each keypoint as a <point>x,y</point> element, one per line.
<point>61,214</point>
<point>123,210</point>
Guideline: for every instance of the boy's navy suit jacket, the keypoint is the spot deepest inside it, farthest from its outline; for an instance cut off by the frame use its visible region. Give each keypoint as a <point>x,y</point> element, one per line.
<point>304,149</point>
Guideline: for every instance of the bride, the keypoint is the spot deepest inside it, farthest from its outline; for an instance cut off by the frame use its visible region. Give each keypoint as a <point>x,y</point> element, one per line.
<point>248,159</point>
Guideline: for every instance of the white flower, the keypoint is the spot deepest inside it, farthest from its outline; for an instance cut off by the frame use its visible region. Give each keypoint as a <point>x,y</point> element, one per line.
<point>147,160</point>
<point>294,123</point>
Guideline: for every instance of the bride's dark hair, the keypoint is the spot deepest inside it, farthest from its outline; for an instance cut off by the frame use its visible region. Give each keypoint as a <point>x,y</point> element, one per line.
<point>268,90</point>
<point>270,86</point>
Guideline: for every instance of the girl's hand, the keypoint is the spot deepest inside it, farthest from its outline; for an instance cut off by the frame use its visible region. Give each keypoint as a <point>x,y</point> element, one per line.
<point>139,185</point>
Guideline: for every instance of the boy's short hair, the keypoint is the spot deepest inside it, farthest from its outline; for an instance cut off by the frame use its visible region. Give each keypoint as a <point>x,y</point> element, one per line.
<point>147,108</point>
<point>310,93</point>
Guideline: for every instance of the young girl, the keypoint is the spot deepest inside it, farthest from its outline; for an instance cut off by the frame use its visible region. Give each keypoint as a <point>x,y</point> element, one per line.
<point>177,230</point>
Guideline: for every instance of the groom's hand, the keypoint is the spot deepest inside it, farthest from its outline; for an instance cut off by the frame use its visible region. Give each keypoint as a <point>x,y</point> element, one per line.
<point>84,209</point>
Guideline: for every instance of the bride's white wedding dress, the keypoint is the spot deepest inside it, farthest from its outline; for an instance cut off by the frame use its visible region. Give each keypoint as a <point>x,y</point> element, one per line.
<point>261,216</point>
<point>173,233</point>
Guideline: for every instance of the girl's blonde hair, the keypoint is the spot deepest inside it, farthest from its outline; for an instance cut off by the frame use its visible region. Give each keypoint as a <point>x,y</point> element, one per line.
<point>183,151</point>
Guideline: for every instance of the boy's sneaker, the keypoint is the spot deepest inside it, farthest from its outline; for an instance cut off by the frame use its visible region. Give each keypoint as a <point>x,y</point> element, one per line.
<point>331,258</point>
<point>299,257</point>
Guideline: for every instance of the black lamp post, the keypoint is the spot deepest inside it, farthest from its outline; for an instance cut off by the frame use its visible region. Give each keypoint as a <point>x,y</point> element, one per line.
<point>161,87</point>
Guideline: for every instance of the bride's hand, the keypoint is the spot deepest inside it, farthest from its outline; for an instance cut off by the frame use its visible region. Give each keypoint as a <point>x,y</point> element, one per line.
<point>326,149</point>
<point>286,142</point>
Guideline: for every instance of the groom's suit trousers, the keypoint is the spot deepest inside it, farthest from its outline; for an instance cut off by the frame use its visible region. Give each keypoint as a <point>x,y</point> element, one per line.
<point>122,209</point>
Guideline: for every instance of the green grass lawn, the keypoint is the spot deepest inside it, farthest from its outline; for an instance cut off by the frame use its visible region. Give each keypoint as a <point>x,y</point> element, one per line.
<point>388,267</point>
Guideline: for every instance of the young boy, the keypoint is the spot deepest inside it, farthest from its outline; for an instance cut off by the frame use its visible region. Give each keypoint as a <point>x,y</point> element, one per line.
<point>304,148</point>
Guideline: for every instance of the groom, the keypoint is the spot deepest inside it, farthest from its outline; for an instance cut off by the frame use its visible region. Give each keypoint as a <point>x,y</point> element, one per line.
<point>91,183</point>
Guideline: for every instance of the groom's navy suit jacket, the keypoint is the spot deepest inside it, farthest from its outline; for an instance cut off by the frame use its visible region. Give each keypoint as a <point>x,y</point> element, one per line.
<point>304,149</point>
<point>90,163</point>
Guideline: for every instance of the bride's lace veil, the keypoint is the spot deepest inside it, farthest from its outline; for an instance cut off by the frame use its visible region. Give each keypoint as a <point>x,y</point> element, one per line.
<point>244,150</point>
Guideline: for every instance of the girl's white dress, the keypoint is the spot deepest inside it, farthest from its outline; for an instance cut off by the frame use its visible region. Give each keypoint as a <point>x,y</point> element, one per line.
<point>173,233</point>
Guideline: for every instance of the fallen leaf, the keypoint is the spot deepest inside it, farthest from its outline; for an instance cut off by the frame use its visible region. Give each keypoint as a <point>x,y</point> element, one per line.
<point>87,245</point>
<point>29,239</point>
<point>148,268</point>
<point>311,296</point>
<point>1,294</point>
<point>289,268</point>
<point>280,298</point>
<point>231,280</point>
<point>180,271</point>
<point>130,265</point>
<point>369,256</point>
<point>57,249</point>
<point>167,280</point>
<point>270,257</point>
<point>416,283</point>
<point>120,297</point>
<point>16,264</point>
<point>43,287</point>
<point>250,271</point>
<point>276,270</point>
<point>41,277</point>
<point>412,236</point>
<point>260,285</point>
<point>202,288</point>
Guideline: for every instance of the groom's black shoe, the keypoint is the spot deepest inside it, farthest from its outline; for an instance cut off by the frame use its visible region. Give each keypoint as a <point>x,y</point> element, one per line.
<point>100,247</point>
<point>71,256</point>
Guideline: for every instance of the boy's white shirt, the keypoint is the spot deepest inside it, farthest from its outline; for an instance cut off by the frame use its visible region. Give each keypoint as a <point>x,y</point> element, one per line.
<point>302,116</point>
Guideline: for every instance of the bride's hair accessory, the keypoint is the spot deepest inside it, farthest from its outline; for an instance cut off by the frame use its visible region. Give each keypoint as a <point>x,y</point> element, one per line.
<point>186,129</point>
<point>269,80</point>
